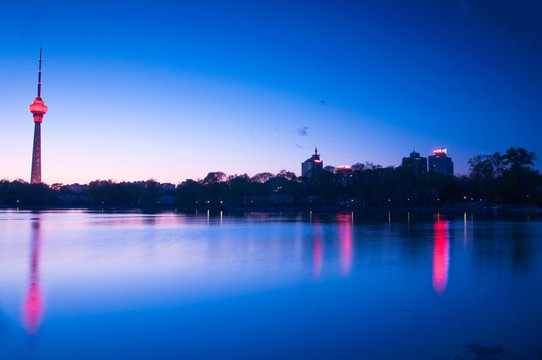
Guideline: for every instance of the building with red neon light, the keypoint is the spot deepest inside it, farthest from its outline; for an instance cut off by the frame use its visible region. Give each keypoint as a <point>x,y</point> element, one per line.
<point>344,174</point>
<point>38,109</point>
<point>440,163</point>
<point>314,163</point>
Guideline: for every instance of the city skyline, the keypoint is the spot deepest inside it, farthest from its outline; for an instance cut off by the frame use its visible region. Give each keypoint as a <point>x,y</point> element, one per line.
<point>253,88</point>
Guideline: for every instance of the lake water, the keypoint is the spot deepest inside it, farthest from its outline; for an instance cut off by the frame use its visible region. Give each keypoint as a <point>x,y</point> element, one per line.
<point>91,285</point>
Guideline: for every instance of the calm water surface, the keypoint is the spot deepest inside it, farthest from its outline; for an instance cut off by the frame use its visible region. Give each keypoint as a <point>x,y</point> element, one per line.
<point>89,285</point>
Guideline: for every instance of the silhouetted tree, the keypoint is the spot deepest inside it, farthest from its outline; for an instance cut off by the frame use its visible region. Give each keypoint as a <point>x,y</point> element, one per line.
<point>485,173</point>
<point>239,189</point>
<point>213,178</point>
<point>189,193</point>
<point>151,193</point>
<point>288,175</point>
<point>261,177</point>
<point>519,177</point>
<point>508,178</point>
<point>367,183</point>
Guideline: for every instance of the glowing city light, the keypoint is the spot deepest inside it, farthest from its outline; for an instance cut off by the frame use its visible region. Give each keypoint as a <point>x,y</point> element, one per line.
<point>38,108</point>
<point>440,151</point>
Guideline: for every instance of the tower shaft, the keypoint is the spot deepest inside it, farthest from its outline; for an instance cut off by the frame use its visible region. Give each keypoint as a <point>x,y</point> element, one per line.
<point>36,155</point>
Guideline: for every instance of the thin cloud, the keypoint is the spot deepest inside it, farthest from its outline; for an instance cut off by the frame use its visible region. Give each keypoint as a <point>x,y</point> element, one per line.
<point>302,131</point>
<point>299,146</point>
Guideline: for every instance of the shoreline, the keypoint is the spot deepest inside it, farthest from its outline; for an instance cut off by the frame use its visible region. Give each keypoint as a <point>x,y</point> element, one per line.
<point>430,209</point>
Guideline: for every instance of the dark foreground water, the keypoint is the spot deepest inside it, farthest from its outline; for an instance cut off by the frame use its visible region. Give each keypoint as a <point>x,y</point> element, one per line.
<point>87,285</point>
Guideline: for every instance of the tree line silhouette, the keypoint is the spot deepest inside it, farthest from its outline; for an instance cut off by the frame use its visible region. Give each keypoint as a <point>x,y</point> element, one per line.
<point>509,178</point>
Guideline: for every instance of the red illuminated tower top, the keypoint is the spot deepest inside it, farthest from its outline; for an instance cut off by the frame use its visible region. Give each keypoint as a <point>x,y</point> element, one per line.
<point>38,107</point>
<point>314,163</point>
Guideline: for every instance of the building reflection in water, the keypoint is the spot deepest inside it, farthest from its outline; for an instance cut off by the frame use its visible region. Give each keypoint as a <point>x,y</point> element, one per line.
<point>33,304</point>
<point>317,248</point>
<point>440,254</point>
<point>464,230</point>
<point>345,242</point>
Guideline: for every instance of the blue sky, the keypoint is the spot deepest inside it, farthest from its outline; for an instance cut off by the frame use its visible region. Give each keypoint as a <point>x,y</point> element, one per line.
<point>172,90</point>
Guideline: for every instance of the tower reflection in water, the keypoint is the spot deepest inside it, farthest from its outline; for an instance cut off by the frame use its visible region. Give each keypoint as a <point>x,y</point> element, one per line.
<point>440,254</point>
<point>33,304</point>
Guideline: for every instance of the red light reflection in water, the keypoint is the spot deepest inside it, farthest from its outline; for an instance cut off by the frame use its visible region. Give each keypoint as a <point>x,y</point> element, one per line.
<point>345,242</point>
<point>33,305</point>
<point>440,254</point>
<point>317,251</point>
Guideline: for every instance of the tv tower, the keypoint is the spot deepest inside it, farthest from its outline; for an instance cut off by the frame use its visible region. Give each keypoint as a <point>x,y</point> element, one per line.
<point>39,109</point>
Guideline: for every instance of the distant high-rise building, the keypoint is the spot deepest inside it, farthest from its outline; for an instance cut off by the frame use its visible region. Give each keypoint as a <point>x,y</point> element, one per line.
<point>39,109</point>
<point>344,173</point>
<point>440,163</point>
<point>314,163</point>
<point>415,162</point>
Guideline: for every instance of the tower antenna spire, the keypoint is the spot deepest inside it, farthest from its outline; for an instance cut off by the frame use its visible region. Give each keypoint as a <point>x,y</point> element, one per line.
<point>39,78</point>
